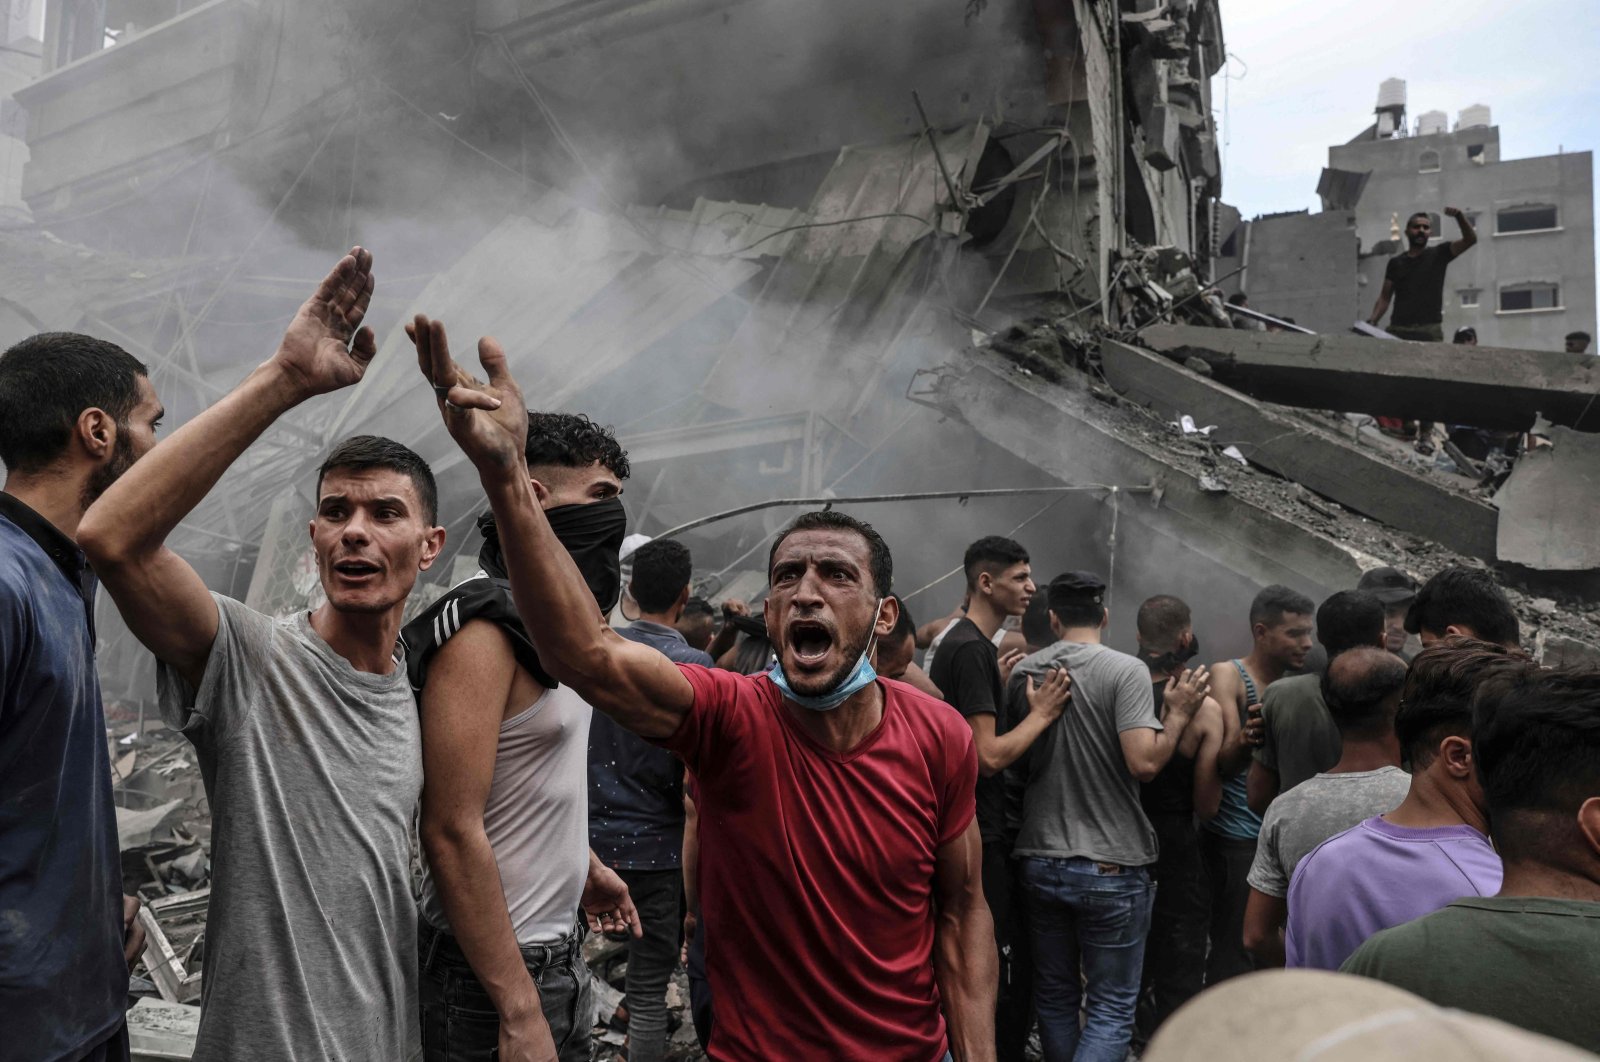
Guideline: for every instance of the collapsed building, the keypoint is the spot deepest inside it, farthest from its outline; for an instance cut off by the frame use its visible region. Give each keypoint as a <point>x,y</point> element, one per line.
<point>943,263</point>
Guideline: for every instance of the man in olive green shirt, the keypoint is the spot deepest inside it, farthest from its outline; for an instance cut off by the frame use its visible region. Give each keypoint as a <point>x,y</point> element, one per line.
<point>1531,955</point>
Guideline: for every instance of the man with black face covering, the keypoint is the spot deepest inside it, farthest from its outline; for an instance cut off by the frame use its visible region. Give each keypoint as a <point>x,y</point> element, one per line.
<point>504,820</point>
<point>840,860</point>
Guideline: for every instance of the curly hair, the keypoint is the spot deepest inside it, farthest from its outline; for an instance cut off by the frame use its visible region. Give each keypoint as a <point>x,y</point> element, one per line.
<point>572,440</point>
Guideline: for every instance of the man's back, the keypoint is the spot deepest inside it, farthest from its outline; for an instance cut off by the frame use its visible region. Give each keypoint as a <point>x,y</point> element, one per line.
<point>1530,961</point>
<point>60,882</point>
<point>819,865</point>
<point>1081,798</point>
<point>1301,740</point>
<point>1376,875</point>
<point>1315,810</point>
<point>312,770</point>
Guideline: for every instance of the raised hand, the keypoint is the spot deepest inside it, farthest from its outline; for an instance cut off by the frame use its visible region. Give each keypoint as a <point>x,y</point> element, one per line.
<point>326,346</point>
<point>487,420</point>
<point>1452,212</point>
<point>1185,693</point>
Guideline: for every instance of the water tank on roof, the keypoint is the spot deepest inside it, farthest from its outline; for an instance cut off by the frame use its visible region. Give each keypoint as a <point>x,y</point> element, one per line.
<point>1473,117</point>
<point>1431,122</point>
<point>1392,93</point>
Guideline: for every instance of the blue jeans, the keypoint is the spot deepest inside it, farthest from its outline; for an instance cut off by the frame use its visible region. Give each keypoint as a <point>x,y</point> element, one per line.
<point>1094,918</point>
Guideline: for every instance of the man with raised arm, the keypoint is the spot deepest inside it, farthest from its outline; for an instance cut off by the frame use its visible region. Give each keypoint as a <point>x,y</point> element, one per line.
<point>304,725</point>
<point>840,864</point>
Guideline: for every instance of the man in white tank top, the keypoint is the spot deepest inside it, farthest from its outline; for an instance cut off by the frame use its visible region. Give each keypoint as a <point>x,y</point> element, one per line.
<point>504,820</point>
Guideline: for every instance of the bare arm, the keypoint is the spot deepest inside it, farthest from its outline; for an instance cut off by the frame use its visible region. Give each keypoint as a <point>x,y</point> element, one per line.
<point>1469,236</point>
<point>727,634</point>
<point>1381,307</point>
<point>1261,787</point>
<point>1145,750</point>
<point>930,630</point>
<point>1234,756</point>
<point>1264,919</point>
<point>918,678</point>
<point>633,683</point>
<point>1207,779</point>
<point>965,962</point>
<point>996,752</point>
<point>164,602</point>
<point>469,682</point>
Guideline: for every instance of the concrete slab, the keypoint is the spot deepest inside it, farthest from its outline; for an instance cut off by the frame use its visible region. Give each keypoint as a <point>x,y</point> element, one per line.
<point>1488,387</point>
<point>159,1030</point>
<point>1550,505</point>
<point>1353,476</point>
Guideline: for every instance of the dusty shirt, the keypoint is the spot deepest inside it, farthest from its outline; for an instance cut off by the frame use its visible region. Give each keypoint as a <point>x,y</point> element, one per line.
<point>1301,740</point>
<point>312,769</point>
<point>1081,799</point>
<point>1315,810</point>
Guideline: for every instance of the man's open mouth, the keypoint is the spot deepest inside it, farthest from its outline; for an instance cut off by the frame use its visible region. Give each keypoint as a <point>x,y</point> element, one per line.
<point>355,569</point>
<point>810,640</point>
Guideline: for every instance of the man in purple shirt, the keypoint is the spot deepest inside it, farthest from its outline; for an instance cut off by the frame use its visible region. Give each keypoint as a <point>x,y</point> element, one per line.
<point>1430,850</point>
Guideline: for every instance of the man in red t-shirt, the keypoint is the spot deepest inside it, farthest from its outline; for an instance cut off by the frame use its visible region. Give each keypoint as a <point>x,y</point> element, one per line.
<point>840,865</point>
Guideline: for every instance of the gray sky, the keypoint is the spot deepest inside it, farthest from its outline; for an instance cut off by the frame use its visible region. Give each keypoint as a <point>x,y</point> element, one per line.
<point>1305,75</point>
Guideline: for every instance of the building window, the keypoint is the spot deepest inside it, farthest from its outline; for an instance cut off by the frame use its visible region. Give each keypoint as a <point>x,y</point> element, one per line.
<point>1429,163</point>
<point>1527,217</point>
<point>1475,154</point>
<point>1536,295</point>
<point>1469,297</point>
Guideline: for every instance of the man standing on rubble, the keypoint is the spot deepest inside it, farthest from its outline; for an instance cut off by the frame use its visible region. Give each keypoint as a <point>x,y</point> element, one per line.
<point>505,802</point>
<point>840,860</point>
<point>304,726</point>
<point>75,413</point>
<point>1414,279</point>
<point>1280,627</point>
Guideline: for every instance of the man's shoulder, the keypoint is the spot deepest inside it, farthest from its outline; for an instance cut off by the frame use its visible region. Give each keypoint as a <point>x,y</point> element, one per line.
<point>923,709</point>
<point>1391,952</point>
<point>1293,691</point>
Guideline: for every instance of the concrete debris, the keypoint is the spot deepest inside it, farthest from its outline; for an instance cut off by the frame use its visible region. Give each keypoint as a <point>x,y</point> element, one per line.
<point>1550,505</point>
<point>161,1030</point>
<point>136,828</point>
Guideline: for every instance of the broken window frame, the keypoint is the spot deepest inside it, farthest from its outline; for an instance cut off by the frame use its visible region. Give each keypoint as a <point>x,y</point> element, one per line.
<point>1476,154</point>
<point>1533,289</point>
<point>1517,209</point>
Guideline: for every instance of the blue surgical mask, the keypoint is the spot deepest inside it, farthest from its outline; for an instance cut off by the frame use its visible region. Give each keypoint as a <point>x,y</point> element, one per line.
<point>859,679</point>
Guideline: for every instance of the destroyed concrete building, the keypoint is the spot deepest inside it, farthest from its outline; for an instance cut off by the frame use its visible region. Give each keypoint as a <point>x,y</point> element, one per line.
<point>1529,281</point>
<point>945,252</point>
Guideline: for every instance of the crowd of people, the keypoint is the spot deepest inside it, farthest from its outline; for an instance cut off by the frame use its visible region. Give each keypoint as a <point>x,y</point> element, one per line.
<point>859,855</point>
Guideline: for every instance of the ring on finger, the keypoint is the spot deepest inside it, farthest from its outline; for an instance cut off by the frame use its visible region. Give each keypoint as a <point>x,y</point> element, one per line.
<point>451,407</point>
<point>441,391</point>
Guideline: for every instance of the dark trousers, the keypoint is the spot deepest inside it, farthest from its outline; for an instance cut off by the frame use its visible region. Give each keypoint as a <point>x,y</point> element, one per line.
<point>112,1049</point>
<point>459,1020</point>
<point>1013,1017</point>
<point>1175,952</point>
<point>658,894</point>
<point>1227,862</point>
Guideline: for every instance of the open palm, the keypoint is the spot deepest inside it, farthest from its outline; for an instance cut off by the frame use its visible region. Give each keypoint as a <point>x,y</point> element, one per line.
<point>487,420</point>
<point>326,346</point>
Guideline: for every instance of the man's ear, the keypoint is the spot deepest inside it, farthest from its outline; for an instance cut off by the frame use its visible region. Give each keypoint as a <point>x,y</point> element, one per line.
<point>888,616</point>
<point>1589,823</point>
<point>1055,625</point>
<point>677,604</point>
<point>432,544</point>
<point>1105,618</point>
<point>541,493</point>
<point>1456,752</point>
<point>984,583</point>
<point>96,431</point>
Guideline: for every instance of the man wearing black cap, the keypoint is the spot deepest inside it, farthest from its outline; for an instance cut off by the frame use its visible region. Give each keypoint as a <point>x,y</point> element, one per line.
<point>1085,846</point>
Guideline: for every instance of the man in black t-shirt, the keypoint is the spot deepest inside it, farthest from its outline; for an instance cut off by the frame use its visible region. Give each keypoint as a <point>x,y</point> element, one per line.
<point>967,671</point>
<point>1414,280</point>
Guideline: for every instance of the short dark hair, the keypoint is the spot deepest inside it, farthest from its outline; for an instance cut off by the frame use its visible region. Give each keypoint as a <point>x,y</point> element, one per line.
<point>662,568</point>
<point>904,626</point>
<point>1436,701</point>
<point>1077,614</point>
<point>994,553</point>
<point>1585,336</point>
<point>572,440</point>
<point>1238,298</point>
<point>47,380</point>
<point>1160,620</point>
<point>1419,214</point>
<point>1276,601</point>
<point>1348,619</point>
<point>1356,686</point>
<point>1536,744</point>
<point>699,606</point>
<point>1464,597</point>
<point>1036,621</point>
<point>374,451</point>
<point>879,563</point>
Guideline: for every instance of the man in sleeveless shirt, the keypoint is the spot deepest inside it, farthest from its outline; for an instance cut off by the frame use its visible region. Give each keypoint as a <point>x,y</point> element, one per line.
<point>505,809</point>
<point>1281,627</point>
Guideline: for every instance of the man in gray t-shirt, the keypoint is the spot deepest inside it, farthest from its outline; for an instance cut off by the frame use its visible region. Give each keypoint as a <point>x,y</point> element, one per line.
<point>304,727</point>
<point>1085,843</point>
<point>312,769</point>
<point>1362,692</point>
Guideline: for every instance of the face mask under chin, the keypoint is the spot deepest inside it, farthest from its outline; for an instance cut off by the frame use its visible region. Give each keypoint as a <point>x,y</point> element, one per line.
<point>857,679</point>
